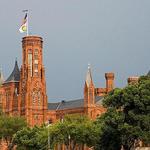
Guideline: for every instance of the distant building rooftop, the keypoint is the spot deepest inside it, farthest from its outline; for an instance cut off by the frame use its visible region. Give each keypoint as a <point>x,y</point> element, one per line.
<point>70,104</point>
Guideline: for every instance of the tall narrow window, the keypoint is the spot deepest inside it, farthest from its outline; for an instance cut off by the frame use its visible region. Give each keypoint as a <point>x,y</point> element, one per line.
<point>36,54</point>
<point>30,60</point>
<point>7,101</point>
<point>36,62</point>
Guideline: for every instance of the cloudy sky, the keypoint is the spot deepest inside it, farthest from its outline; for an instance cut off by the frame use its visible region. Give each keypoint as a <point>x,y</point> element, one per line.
<point>111,35</point>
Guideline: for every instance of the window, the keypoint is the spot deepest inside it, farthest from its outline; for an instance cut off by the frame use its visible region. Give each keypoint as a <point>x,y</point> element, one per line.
<point>35,57</point>
<point>36,54</point>
<point>7,101</point>
<point>30,59</point>
<point>36,62</point>
<point>36,51</point>
<point>36,66</point>
<point>36,74</point>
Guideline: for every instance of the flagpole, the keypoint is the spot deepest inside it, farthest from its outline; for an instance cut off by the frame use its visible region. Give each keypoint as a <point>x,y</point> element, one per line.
<point>27,22</point>
<point>27,25</point>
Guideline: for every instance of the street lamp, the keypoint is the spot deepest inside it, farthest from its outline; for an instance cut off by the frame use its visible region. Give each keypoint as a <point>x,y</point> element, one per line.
<point>49,124</point>
<point>48,139</point>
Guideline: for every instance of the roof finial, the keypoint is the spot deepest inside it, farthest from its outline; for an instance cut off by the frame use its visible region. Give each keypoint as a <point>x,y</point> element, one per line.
<point>89,66</point>
<point>89,75</point>
<point>16,59</point>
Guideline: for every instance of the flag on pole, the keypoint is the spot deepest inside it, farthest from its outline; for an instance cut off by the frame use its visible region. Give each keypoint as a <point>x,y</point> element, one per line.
<point>23,27</point>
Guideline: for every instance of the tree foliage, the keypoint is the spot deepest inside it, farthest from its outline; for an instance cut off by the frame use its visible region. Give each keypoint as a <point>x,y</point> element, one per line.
<point>127,119</point>
<point>28,138</point>
<point>77,130</point>
<point>8,127</point>
<point>74,130</point>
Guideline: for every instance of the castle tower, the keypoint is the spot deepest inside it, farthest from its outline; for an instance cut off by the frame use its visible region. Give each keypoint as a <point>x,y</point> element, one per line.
<point>89,93</point>
<point>109,81</point>
<point>10,89</point>
<point>33,98</point>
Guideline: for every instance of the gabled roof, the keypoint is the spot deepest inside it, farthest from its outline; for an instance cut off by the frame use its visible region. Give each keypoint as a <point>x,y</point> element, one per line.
<point>78,103</point>
<point>15,75</point>
<point>71,104</point>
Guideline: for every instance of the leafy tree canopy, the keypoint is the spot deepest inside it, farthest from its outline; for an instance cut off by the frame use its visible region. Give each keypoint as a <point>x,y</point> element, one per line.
<point>127,119</point>
<point>28,138</point>
<point>74,130</point>
<point>9,126</point>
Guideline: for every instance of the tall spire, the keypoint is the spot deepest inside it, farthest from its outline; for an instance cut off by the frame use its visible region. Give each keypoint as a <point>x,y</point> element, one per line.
<point>89,76</point>
<point>89,92</point>
<point>1,77</point>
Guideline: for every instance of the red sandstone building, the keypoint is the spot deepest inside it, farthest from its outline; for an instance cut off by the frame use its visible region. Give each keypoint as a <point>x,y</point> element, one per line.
<point>24,91</point>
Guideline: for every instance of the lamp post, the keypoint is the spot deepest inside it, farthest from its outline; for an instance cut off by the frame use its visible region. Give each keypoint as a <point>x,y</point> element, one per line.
<point>48,134</point>
<point>48,140</point>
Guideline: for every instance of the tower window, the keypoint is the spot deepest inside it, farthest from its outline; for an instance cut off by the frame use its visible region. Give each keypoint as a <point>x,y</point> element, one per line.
<point>30,61</point>
<point>36,73</point>
<point>30,51</point>
<point>35,57</point>
<point>7,100</point>
<point>36,66</point>
<point>36,51</point>
<point>36,54</point>
<point>36,62</point>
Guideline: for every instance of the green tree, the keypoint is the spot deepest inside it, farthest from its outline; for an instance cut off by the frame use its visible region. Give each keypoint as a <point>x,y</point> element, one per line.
<point>8,127</point>
<point>127,119</point>
<point>74,130</point>
<point>28,139</point>
<point>77,130</point>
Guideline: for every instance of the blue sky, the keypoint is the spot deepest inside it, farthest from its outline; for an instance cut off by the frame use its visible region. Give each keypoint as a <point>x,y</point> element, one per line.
<point>111,35</point>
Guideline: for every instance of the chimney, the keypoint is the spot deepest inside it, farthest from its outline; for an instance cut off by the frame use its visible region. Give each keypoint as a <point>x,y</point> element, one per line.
<point>109,81</point>
<point>133,80</point>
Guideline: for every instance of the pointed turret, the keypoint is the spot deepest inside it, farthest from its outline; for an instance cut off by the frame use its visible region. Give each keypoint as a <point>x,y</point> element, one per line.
<point>89,89</point>
<point>15,75</point>
<point>1,77</point>
<point>89,81</point>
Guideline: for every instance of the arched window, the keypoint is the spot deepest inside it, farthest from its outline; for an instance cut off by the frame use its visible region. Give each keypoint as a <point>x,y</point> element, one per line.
<point>7,100</point>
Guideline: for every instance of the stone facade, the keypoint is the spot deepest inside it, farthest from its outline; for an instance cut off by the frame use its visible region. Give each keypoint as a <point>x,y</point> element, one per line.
<point>24,92</point>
